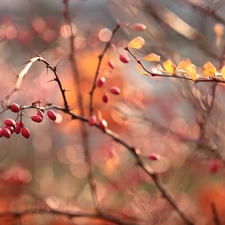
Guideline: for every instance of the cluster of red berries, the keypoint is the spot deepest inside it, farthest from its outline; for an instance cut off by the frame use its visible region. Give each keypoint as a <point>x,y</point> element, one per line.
<point>13,126</point>
<point>113,90</point>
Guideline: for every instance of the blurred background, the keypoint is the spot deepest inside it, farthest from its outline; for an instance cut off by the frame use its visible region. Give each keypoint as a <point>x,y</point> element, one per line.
<point>179,120</point>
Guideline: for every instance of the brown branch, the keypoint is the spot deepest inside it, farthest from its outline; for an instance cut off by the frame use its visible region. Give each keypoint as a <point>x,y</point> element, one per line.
<point>100,57</point>
<point>215,214</point>
<point>84,140</point>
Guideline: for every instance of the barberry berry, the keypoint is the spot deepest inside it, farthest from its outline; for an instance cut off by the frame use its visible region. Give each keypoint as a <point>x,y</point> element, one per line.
<point>100,82</point>
<point>123,58</point>
<point>102,124</point>
<point>92,120</point>
<point>40,113</point>
<point>6,132</point>
<point>114,90</point>
<point>111,64</point>
<point>51,115</point>
<point>10,122</point>
<point>25,132</point>
<point>14,107</point>
<point>105,98</point>
<point>154,156</point>
<point>36,118</point>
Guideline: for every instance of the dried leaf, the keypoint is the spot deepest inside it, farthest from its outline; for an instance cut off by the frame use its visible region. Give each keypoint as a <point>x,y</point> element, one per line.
<point>137,43</point>
<point>191,71</point>
<point>169,66</point>
<point>152,57</point>
<point>209,69</point>
<point>141,70</point>
<point>183,64</point>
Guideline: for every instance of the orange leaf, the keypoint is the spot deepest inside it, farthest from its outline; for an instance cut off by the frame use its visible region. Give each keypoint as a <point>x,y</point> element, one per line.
<point>223,72</point>
<point>169,66</point>
<point>141,70</point>
<point>183,64</point>
<point>191,71</point>
<point>137,43</point>
<point>209,69</point>
<point>152,57</point>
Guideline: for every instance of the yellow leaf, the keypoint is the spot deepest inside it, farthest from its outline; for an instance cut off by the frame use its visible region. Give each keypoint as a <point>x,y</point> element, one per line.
<point>223,72</point>
<point>141,70</point>
<point>137,43</point>
<point>169,66</point>
<point>183,64</point>
<point>209,69</point>
<point>152,57</point>
<point>191,71</point>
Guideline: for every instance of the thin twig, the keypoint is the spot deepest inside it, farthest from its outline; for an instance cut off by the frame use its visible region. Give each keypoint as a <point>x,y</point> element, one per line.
<point>215,214</point>
<point>100,57</point>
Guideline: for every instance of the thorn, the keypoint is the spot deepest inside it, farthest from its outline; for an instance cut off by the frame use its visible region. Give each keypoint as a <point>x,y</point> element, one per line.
<point>37,54</point>
<point>57,64</point>
<point>51,80</point>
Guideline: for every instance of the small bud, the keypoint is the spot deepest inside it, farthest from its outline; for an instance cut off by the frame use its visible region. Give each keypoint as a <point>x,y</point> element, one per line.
<point>92,120</point>
<point>124,58</point>
<point>100,82</point>
<point>105,98</point>
<point>138,27</point>
<point>114,90</point>
<point>111,64</point>
<point>154,156</point>
<point>102,124</point>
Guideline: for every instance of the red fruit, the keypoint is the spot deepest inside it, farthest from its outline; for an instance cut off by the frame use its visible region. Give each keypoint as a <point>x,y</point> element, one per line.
<point>40,113</point>
<point>14,107</point>
<point>92,120</point>
<point>51,115</point>
<point>1,133</point>
<point>21,123</point>
<point>17,128</point>
<point>6,132</point>
<point>114,90</point>
<point>25,132</point>
<point>111,64</point>
<point>10,128</point>
<point>100,82</point>
<point>36,118</point>
<point>10,122</point>
<point>105,98</point>
<point>214,167</point>
<point>154,156</point>
<point>124,58</point>
<point>138,27</point>
<point>102,124</point>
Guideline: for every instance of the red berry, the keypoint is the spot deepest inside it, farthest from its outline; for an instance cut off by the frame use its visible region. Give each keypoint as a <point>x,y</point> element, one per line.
<point>51,115</point>
<point>1,132</point>
<point>36,118</point>
<point>124,58</point>
<point>154,156</point>
<point>40,113</point>
<point>102,124</point>
<point>111,64</point>
<point>10,122</point>
<point>114,90</point>
<point>10,128</point>
<point>105,98</point>
<point>21,123</point>
<point>6,132</point>
<point>92,120</point>
<point>100,82</point>
<point>25,132</point>
<point>14,107</point>
<point>138,27</point>
<point>17,128</point>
